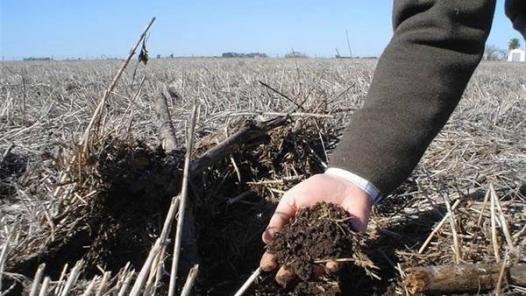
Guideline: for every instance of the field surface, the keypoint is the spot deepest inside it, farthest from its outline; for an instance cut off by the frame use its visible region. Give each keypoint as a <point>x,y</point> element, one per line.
<point>477,165</point>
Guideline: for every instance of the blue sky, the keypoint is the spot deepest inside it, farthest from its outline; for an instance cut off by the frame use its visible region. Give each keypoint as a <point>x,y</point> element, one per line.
<point>90,29</point>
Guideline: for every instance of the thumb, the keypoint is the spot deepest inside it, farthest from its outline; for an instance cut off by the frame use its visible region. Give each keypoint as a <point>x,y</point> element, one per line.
<point>285,210</point>
<point>359,207</point>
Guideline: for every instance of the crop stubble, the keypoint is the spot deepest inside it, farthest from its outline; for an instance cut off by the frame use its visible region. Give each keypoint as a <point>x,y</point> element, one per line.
<point>482,144</point>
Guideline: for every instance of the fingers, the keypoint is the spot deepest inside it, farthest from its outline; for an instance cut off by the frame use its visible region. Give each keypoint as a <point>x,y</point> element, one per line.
<point>268,262</point>
<point>332,267</point>
<point>359,207</point>
<point>276,223</point>
<point>284,212</point>
<point>284,276</point>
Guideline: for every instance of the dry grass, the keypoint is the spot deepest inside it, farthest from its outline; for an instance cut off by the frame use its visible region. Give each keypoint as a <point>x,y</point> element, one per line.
<point>45,107</point>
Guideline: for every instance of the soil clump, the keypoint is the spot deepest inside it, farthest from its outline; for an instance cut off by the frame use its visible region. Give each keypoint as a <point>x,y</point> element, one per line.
<point>315,235</point>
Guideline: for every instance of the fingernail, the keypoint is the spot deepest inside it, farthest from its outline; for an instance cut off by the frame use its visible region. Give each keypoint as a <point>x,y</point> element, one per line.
<point>284,277</point>
<point>332,267</point>
<point>268,235</point>
<point>268,262</point>
<point>268,266</point>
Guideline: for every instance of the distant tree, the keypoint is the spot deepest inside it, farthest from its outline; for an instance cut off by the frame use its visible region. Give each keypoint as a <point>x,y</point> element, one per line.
<point>256,55</point>
<point>514,44</point>
<point>158,56</point>
<point>229,55</point>
<point>38,59</point>
<point>493,53</point>
<point>243,55</point>
<point>171,55</point>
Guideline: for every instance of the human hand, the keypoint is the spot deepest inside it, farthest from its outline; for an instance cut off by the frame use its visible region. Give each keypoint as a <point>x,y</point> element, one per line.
<point>322,187</point>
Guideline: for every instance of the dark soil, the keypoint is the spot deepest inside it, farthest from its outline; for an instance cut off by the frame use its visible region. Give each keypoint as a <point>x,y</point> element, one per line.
<point>231,206</point>
<point>267,286</point>
<point>12,167</point>
<point>135,186</point>
<point>321,232</point>
<point>229,234</point>
<point>318,233</point>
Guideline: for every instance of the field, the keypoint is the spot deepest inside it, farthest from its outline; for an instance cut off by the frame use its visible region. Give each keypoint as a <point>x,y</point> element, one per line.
<point>60,204</point>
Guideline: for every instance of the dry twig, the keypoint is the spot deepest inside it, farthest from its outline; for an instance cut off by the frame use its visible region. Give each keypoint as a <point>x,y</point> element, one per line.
<point>182,203</point>
<point>98,111</point>
<point>248,282</point>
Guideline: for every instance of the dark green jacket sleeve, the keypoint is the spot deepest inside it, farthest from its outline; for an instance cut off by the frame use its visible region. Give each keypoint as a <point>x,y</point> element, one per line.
<point>419,79</point>
<point>516,11</point>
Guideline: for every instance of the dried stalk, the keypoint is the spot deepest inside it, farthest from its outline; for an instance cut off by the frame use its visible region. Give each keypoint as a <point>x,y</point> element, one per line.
<point>503,223</point>
<point>437,228</point>
<point>159,259</point>
<point>456,243</point>
<point>498,286</point>
<point>73,277</point>
<point>189,284</point>
<point>299,106</point>
<point>102,284</point>
<point>3,256</point>
<point>166,128</point>
<point>58,288</point>
<point>45,285</point>
<point>91,286</point>
<point>141,278</point>
<point>520,234</point>
<point>248,282</point>
<point>294,114</point>
<point>126,284</point>
<point>156,265</point>
<point>494,238</point>
<point>98,111</point>
<point>182,204</point>
<point>35,287</point>
<point>484,204</point>
<point>6,152</point>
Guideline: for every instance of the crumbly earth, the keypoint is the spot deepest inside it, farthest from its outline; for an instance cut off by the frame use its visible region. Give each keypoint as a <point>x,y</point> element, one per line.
<point>316,234</point>
<point>12,166</point>
<point>319,233</point>
<point>268,287</point>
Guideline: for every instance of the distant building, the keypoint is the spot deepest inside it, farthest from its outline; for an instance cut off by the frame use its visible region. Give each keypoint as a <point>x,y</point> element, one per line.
<point>517,55</point>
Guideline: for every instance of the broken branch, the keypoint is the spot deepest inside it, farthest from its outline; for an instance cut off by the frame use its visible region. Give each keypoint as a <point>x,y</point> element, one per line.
<point>461,278</point>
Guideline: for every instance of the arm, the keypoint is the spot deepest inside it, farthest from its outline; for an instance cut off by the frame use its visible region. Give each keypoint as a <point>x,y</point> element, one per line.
<point>417,84</point>
<point>418,81</point>
<point>516,11</point>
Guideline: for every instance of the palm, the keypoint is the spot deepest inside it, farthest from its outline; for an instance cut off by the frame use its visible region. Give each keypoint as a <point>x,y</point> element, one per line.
<point>306,194</point>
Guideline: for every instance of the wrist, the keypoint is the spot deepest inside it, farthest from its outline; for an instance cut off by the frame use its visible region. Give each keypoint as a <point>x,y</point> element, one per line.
<point>363,184</point>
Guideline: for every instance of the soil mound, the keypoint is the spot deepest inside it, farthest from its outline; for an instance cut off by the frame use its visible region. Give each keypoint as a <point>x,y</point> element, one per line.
<point>115,224</point>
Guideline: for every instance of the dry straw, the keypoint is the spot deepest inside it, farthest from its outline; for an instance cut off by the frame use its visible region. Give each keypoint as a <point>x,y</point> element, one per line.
<point>481,144</point>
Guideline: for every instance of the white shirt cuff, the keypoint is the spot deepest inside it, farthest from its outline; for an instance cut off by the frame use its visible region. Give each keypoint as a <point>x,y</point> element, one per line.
<point>365,185</point>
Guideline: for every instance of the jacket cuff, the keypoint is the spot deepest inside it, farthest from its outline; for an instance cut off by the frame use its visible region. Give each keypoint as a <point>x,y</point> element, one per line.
<point>374,194</point>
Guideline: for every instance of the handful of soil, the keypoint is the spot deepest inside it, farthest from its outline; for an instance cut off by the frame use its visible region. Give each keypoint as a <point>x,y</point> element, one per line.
<point>317,234</point>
